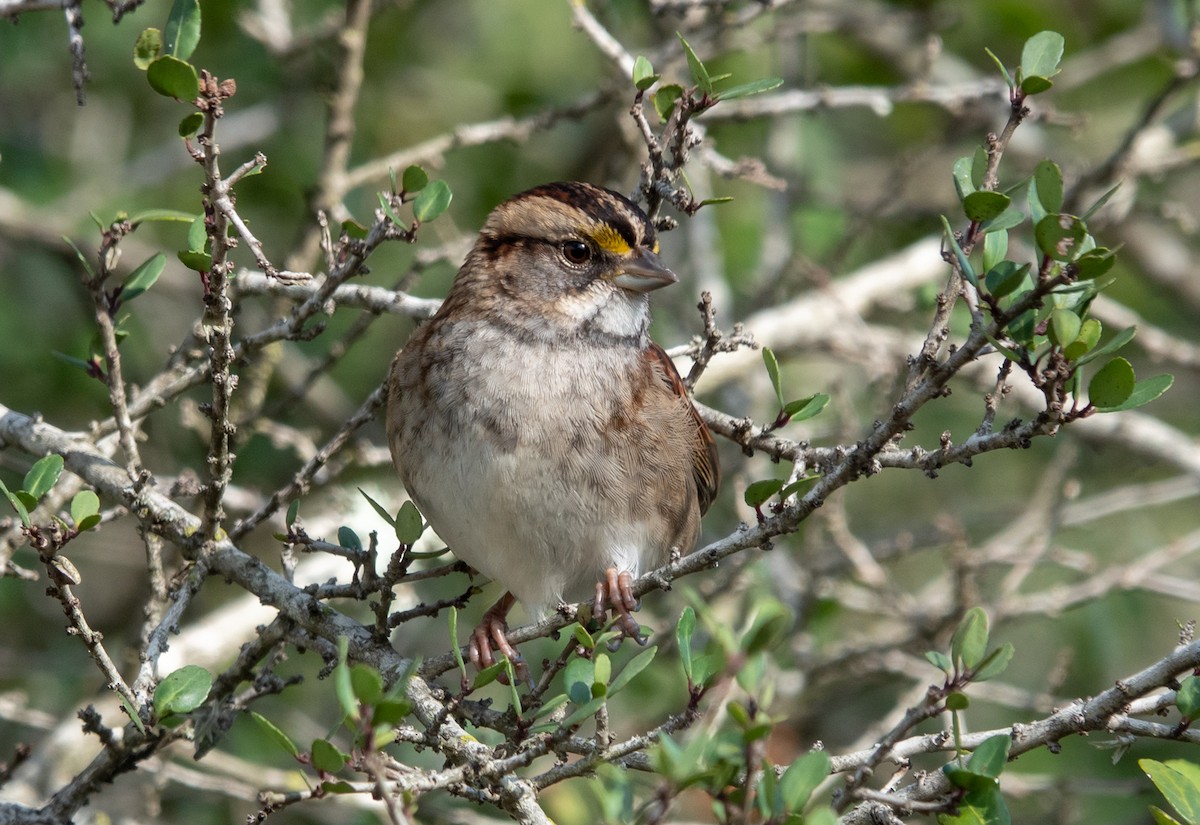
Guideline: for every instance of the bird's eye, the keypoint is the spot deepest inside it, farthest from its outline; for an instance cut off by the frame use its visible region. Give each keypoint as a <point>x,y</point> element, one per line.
<point>576,252</point>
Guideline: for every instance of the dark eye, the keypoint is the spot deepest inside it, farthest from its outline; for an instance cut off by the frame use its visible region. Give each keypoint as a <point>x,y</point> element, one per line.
<point>576,252</point>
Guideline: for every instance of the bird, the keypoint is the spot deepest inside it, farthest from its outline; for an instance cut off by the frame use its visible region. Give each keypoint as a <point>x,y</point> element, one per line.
<point>543,436</point>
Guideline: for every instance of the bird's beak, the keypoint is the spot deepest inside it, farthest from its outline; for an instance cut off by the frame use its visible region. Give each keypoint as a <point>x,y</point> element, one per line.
<point>643,272</point>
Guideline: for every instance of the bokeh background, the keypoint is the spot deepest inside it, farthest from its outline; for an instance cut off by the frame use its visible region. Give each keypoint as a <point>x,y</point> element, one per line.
<point>1082,546</point>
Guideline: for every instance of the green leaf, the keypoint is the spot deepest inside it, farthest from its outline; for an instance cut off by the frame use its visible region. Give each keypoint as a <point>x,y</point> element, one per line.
<point>550,705</point>
<point>277,736</point>
<point>696,67</point>
<point>1180,787</point>
<point>1049,185</point>
<point>1112,385</point>
<point>1035,85</point>
<point>751,673</point>
<point>409,525</point>
<point>979,163</point>
<point>182,32</point>
<point>603,674</point>
<point>197,236</point>
<point>771,625</point>
<point>182,691</point>
<point>802,778</point>
<point>1095,262</point>
<point>995,663</point>
<point>683,639</point>
<point>367,684</point>
<point>433,201</point>
<point>1100,201</point>
<point>17,504</point>
<point>349,539</point>
<point>963,183</point>
<point>326,757</point>
<point>1187,698</point>
<point>983,206</point>
<point>583,712</point>
<point>1042,54</point>
<point>754,87</point>
<point>957,701</point>
<point>1007,219</point>
<point>190,124</point>
<point>143,277</point>
<point>378,508</point>
<point>1064,327</point>
<point>939,660</point>
<point>161,215</point>
<point>293,511</point>
<point>664,99</point>
<point>1143,393</point>
<point>1005,277</point>
<point>342,685</point>
<point>806,408</point>
<point>1088,337</point>
<point>1119,340</point>
<point>42,476</point>
<point>583,637</point>
<point>990,757</point>
<point>759,492</point>
<point>414,179</point>
<point>1059,235</point>
<point>1161,817</point>
<point>768,356</point>
<point>578,678</point>
<point>391,712</point>
<point>643,74</point>
<point>969,643</point>
<point>1003,71</point>
<point>488,675</point>
<point>172,77</point>
<point>195,260</point>
<point>995,247</point>
<point>146,48</point>
<point>85,505</point>
<point>964,263</point>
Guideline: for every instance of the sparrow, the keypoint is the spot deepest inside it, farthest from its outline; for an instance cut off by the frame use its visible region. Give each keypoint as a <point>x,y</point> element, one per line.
<point>542,434</point>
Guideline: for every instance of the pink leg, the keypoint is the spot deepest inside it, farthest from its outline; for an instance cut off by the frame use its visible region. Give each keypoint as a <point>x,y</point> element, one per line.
<point>615,590</point>
<point>492,635</point>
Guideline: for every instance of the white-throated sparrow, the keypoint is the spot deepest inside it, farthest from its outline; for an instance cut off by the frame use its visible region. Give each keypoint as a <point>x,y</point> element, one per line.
<point>549,442</point>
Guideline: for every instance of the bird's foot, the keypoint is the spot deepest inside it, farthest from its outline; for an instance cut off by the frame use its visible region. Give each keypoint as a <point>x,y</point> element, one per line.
<point>491,636</point>
<point>615,591</point>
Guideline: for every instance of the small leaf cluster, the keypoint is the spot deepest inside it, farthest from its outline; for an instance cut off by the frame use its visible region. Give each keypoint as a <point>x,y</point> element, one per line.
<point>720,764</point>
<point>370,715</point>
<point>163,55</point>
<point>758,493</point>
<point>978,780</point>
<point>1053,337</point>
<point>969,659</point>
<point>41,478</point>
<point>429,199</point>
<point>705,82</point>
<point>588,681</point>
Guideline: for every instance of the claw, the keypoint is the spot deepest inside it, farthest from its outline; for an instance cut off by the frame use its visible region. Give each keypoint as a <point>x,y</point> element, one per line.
<point>491,636</point>
<point>615,590</point>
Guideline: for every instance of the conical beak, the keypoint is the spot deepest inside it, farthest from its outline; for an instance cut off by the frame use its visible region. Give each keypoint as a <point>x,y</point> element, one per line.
<point>644,272</point>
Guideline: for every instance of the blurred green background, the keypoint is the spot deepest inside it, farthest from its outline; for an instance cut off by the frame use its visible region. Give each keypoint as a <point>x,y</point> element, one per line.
<point>860,185</point>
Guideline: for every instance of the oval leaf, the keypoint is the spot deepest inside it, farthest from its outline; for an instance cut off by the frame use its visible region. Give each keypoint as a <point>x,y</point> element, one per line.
<point>983,206</point>
<point>147,47</point>
<point>1041,55</point>
<point>414,179</point>
<point>1143,393</point>
<point>1049,185</point>
<point>172,77</point>
<point>182,691</point>
<point>42,476</point>
<point>84,505</point>
<point>409,525</point>
<point>144,277</point>
<point>1112,385</point>
<point>970,639</point>
<point>279,737</point>
<point>579,676</point>
<point>433,201</point>
<point>326,757</point>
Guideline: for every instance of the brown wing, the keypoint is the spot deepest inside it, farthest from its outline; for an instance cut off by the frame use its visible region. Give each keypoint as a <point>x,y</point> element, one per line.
<point>706,469</point>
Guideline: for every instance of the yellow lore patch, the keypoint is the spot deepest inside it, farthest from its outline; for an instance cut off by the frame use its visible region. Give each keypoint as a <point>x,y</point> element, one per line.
<point>610,240</point>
